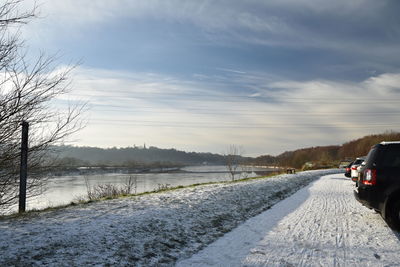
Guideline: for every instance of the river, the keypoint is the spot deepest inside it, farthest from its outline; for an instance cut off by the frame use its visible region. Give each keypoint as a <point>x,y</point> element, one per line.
<point>62,190</point>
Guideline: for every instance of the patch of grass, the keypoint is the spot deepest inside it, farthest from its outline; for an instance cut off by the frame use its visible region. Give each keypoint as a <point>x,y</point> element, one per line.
<point>37,211</point>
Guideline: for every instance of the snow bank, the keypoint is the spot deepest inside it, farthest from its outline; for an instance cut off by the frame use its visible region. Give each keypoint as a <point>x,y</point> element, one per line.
<point>150,230</point>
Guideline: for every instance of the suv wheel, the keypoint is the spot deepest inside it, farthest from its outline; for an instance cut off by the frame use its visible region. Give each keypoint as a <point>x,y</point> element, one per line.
<point>393,216</point>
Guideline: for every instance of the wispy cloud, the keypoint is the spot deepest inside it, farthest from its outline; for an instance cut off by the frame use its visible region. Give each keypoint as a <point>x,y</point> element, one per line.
<point>133,108</point>
<point>285,22</point>
<point>342,38</point>
<point>199,75</point>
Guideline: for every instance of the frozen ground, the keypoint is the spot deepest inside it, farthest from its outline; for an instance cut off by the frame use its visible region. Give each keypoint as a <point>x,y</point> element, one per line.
<point>321,225</point>
<point>159,229</point>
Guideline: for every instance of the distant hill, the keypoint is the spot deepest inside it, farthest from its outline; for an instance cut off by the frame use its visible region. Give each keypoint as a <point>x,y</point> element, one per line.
<point>320,156</point>
<point>131,156</point>
<point>327,156</point>
<point>360,147</point>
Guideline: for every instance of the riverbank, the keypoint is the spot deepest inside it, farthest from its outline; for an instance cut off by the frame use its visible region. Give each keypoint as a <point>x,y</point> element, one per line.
<point>76,171</point>
<point>61,190</point>
<point>154,229</point>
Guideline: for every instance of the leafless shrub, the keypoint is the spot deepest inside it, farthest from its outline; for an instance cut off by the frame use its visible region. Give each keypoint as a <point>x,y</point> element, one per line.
<point>245,171</point>
<point>162,187</point>
<point>111,190</point>
<point>107,191</point>
<point>233,160</point>
<point>89,189</point>
<point>131,185</point>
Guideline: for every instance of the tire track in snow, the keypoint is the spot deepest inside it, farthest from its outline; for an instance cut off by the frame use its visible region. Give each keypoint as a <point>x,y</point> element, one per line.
<point>322,241</point>
<point>324,226</point>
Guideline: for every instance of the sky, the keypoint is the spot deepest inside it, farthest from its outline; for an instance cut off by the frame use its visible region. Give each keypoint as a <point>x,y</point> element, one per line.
<point>201,75</point>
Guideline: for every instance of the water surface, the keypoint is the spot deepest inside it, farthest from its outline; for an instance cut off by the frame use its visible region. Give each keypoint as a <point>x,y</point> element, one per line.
<point>65,189</point>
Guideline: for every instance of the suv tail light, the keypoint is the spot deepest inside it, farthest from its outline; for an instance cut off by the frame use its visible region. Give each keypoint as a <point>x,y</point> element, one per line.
<point>354,168</point>
<point>369,177</point>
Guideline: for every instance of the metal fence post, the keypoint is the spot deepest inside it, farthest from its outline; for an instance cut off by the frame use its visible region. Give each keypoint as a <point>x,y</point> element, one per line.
<point>23,167</point>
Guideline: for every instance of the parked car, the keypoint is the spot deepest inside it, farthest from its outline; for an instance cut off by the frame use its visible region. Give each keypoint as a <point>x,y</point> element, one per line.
<point>359,170</point>
<point>344,163</point>
<point>347,170</point>
<point>354,166</point>
<point>378,185</point>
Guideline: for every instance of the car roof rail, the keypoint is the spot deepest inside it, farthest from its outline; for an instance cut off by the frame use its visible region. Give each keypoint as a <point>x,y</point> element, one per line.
<point>389,142</point>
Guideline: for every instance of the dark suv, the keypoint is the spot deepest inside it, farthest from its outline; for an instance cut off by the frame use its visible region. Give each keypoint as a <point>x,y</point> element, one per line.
<point>378,185</point>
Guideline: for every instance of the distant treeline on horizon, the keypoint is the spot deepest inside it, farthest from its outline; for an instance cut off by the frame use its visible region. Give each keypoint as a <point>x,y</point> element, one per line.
<point>327,156</point>
<point>131,156</point>
<point>320,156</point>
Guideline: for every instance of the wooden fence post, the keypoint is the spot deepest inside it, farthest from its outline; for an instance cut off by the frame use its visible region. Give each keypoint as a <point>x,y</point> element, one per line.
<point>23,167</point>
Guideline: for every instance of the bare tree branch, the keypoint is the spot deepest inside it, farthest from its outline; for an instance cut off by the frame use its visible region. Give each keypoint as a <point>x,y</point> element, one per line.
<point>26,91</point>
<point>233,160</point>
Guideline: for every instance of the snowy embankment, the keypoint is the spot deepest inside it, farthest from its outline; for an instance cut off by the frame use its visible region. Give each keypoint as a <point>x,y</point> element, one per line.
<point>155,229</point>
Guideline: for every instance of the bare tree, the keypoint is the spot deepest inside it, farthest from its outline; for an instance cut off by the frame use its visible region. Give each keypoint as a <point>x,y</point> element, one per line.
<point>233,160</point>
<point>27,89</point>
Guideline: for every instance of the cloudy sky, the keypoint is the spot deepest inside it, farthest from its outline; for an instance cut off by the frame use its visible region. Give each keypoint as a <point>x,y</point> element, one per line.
<point>199,75</point>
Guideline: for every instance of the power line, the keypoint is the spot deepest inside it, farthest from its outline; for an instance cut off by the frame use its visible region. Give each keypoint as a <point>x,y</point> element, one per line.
<point>231,125</point>
<point>229,112</point>
<point>204,94</point>
<point>225,98</point>
<point>212,110</point>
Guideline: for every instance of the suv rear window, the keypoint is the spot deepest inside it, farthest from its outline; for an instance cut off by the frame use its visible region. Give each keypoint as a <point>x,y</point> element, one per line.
<point>371,157</point>
<point>391,157</point>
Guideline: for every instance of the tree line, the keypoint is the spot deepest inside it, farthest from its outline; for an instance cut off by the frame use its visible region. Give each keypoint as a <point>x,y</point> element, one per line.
<point>327,156</point>
<point>131,156</point>
<point>319,156</point>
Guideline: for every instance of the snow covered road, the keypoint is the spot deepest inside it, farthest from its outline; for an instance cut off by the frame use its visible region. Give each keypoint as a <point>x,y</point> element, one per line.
<point>320,225</point>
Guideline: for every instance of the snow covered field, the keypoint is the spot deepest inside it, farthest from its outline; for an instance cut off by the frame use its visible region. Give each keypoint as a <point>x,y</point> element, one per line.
<point>320,225</point>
